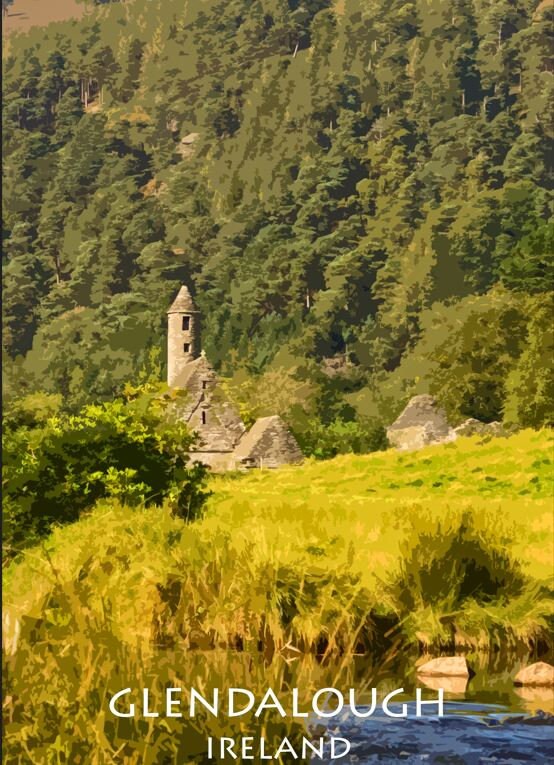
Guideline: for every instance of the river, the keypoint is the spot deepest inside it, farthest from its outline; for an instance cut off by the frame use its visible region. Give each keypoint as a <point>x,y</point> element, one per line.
<point>487,720</point>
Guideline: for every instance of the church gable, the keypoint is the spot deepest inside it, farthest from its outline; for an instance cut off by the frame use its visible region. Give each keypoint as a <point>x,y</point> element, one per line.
<point>198,379</point>
<point>214,435</point>
<point>216,421</point>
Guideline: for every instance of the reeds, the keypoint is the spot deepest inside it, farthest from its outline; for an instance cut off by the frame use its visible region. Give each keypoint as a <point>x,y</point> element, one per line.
<point>292,571</point>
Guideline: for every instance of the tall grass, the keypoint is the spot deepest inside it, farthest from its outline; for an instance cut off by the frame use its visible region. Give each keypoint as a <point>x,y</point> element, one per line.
<point>444,548</point>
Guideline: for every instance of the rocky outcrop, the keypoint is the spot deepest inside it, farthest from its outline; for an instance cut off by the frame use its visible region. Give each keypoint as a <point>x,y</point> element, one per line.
<point>334,366</point>
<point>185,146</point>
<point>445,666</point>
<point>424,422</point>
<point>421,423</point>
<point>473,427</point>
<point>538,674</point>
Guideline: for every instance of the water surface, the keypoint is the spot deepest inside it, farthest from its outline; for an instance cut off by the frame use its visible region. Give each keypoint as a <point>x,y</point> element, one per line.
<point>487,721</point>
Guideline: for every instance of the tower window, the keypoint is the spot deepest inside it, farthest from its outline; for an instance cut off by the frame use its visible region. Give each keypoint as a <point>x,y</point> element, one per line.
<point>186,323</point>
<point>203,417</point>
<point>204,384</point>
<point>186,347</point>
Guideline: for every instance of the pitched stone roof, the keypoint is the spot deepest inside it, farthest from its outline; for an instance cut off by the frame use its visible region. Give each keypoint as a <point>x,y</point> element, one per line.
<point>193,372</point>
<point>183,302</point>
<point>221,427</point>
<point>269,443</point>
<point>214,434</point>
<point>422,411</point>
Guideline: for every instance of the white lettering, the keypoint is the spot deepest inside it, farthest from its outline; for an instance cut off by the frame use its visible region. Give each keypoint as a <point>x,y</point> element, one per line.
<point>352,703</point>
<point>317,751</point>
<point>195,696</point>
<point>226,747</point>
<point>270,701</point>
<point>235,692</point>
<point>114,698</point>
<point>145,703</point>
<point>171,702</point>
<point>334,755</point>
<point>247,747</point>
<point>263,755</point>
<point>438,702</point>
<point>386,700</point>
<point>327,692</point>
<point>295,711</point>
<point>285,746</point>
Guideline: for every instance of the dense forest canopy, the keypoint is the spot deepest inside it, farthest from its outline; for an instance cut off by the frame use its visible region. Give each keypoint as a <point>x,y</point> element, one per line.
<point>362,183</point>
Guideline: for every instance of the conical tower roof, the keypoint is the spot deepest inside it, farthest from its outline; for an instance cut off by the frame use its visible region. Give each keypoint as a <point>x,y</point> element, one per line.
<point>183,302</point>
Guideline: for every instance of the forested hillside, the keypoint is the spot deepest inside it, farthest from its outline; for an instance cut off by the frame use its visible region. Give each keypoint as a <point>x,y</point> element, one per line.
<point>357,191</point>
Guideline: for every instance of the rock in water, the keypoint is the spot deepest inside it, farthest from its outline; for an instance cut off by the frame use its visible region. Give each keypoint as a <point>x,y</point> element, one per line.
<point>448,683</point>
<point>421,423</point>
<point>445,666</point>
<point>539,673</point>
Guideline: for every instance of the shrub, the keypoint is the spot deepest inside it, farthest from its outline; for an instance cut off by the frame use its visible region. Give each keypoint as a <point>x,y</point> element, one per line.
<point>341,437</point>
<point>448,565</point>
<point>530,385</point>
<point>127,448</point>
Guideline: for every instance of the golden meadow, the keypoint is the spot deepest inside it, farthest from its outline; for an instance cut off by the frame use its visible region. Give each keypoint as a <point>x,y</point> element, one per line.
<point>287,576</point>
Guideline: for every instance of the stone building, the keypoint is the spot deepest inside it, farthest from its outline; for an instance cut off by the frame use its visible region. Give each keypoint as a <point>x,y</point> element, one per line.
<point>268,443</point>
<point>223,443</point>
<point>422,422</point>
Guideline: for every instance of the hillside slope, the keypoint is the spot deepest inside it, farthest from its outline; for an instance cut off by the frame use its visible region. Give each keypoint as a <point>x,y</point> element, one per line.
<point>364,180</point>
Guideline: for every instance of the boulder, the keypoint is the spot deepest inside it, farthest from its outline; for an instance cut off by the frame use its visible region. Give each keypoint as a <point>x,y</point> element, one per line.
<point>445,666</point>
<point>473,427</point>
<point>539,674</point>
<point>339,364</point>
<point>421,423</point>
<point>450,684</point>
<point>185,146</point>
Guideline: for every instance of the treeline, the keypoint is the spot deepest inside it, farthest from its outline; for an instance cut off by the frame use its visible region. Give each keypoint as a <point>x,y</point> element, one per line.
<point>358,191</point>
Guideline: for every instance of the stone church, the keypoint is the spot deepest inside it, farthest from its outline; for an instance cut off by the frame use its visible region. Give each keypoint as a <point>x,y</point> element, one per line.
<point>223,442</point>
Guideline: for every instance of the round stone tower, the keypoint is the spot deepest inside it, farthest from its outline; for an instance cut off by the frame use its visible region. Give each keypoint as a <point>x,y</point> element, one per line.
<point>183,335</point>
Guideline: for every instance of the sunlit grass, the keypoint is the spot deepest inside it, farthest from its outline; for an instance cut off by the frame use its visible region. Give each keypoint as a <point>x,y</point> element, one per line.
<point>442,549</point>
<point>310,554</point>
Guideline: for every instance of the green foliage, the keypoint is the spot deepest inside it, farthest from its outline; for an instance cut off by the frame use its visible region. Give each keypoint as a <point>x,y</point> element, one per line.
<point>31,411</point>
<point>530,383</point>
<point>341,437</point>
<point>58,465</point>
<point>478,349</point>
<point>347,169</point>
<point>447,566</point>
<point>467,357</point>
<point>443,548</point>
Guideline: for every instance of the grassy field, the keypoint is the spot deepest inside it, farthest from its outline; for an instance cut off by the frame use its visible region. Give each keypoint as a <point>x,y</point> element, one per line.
<point>446,548</point>
<point>317,553</point>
